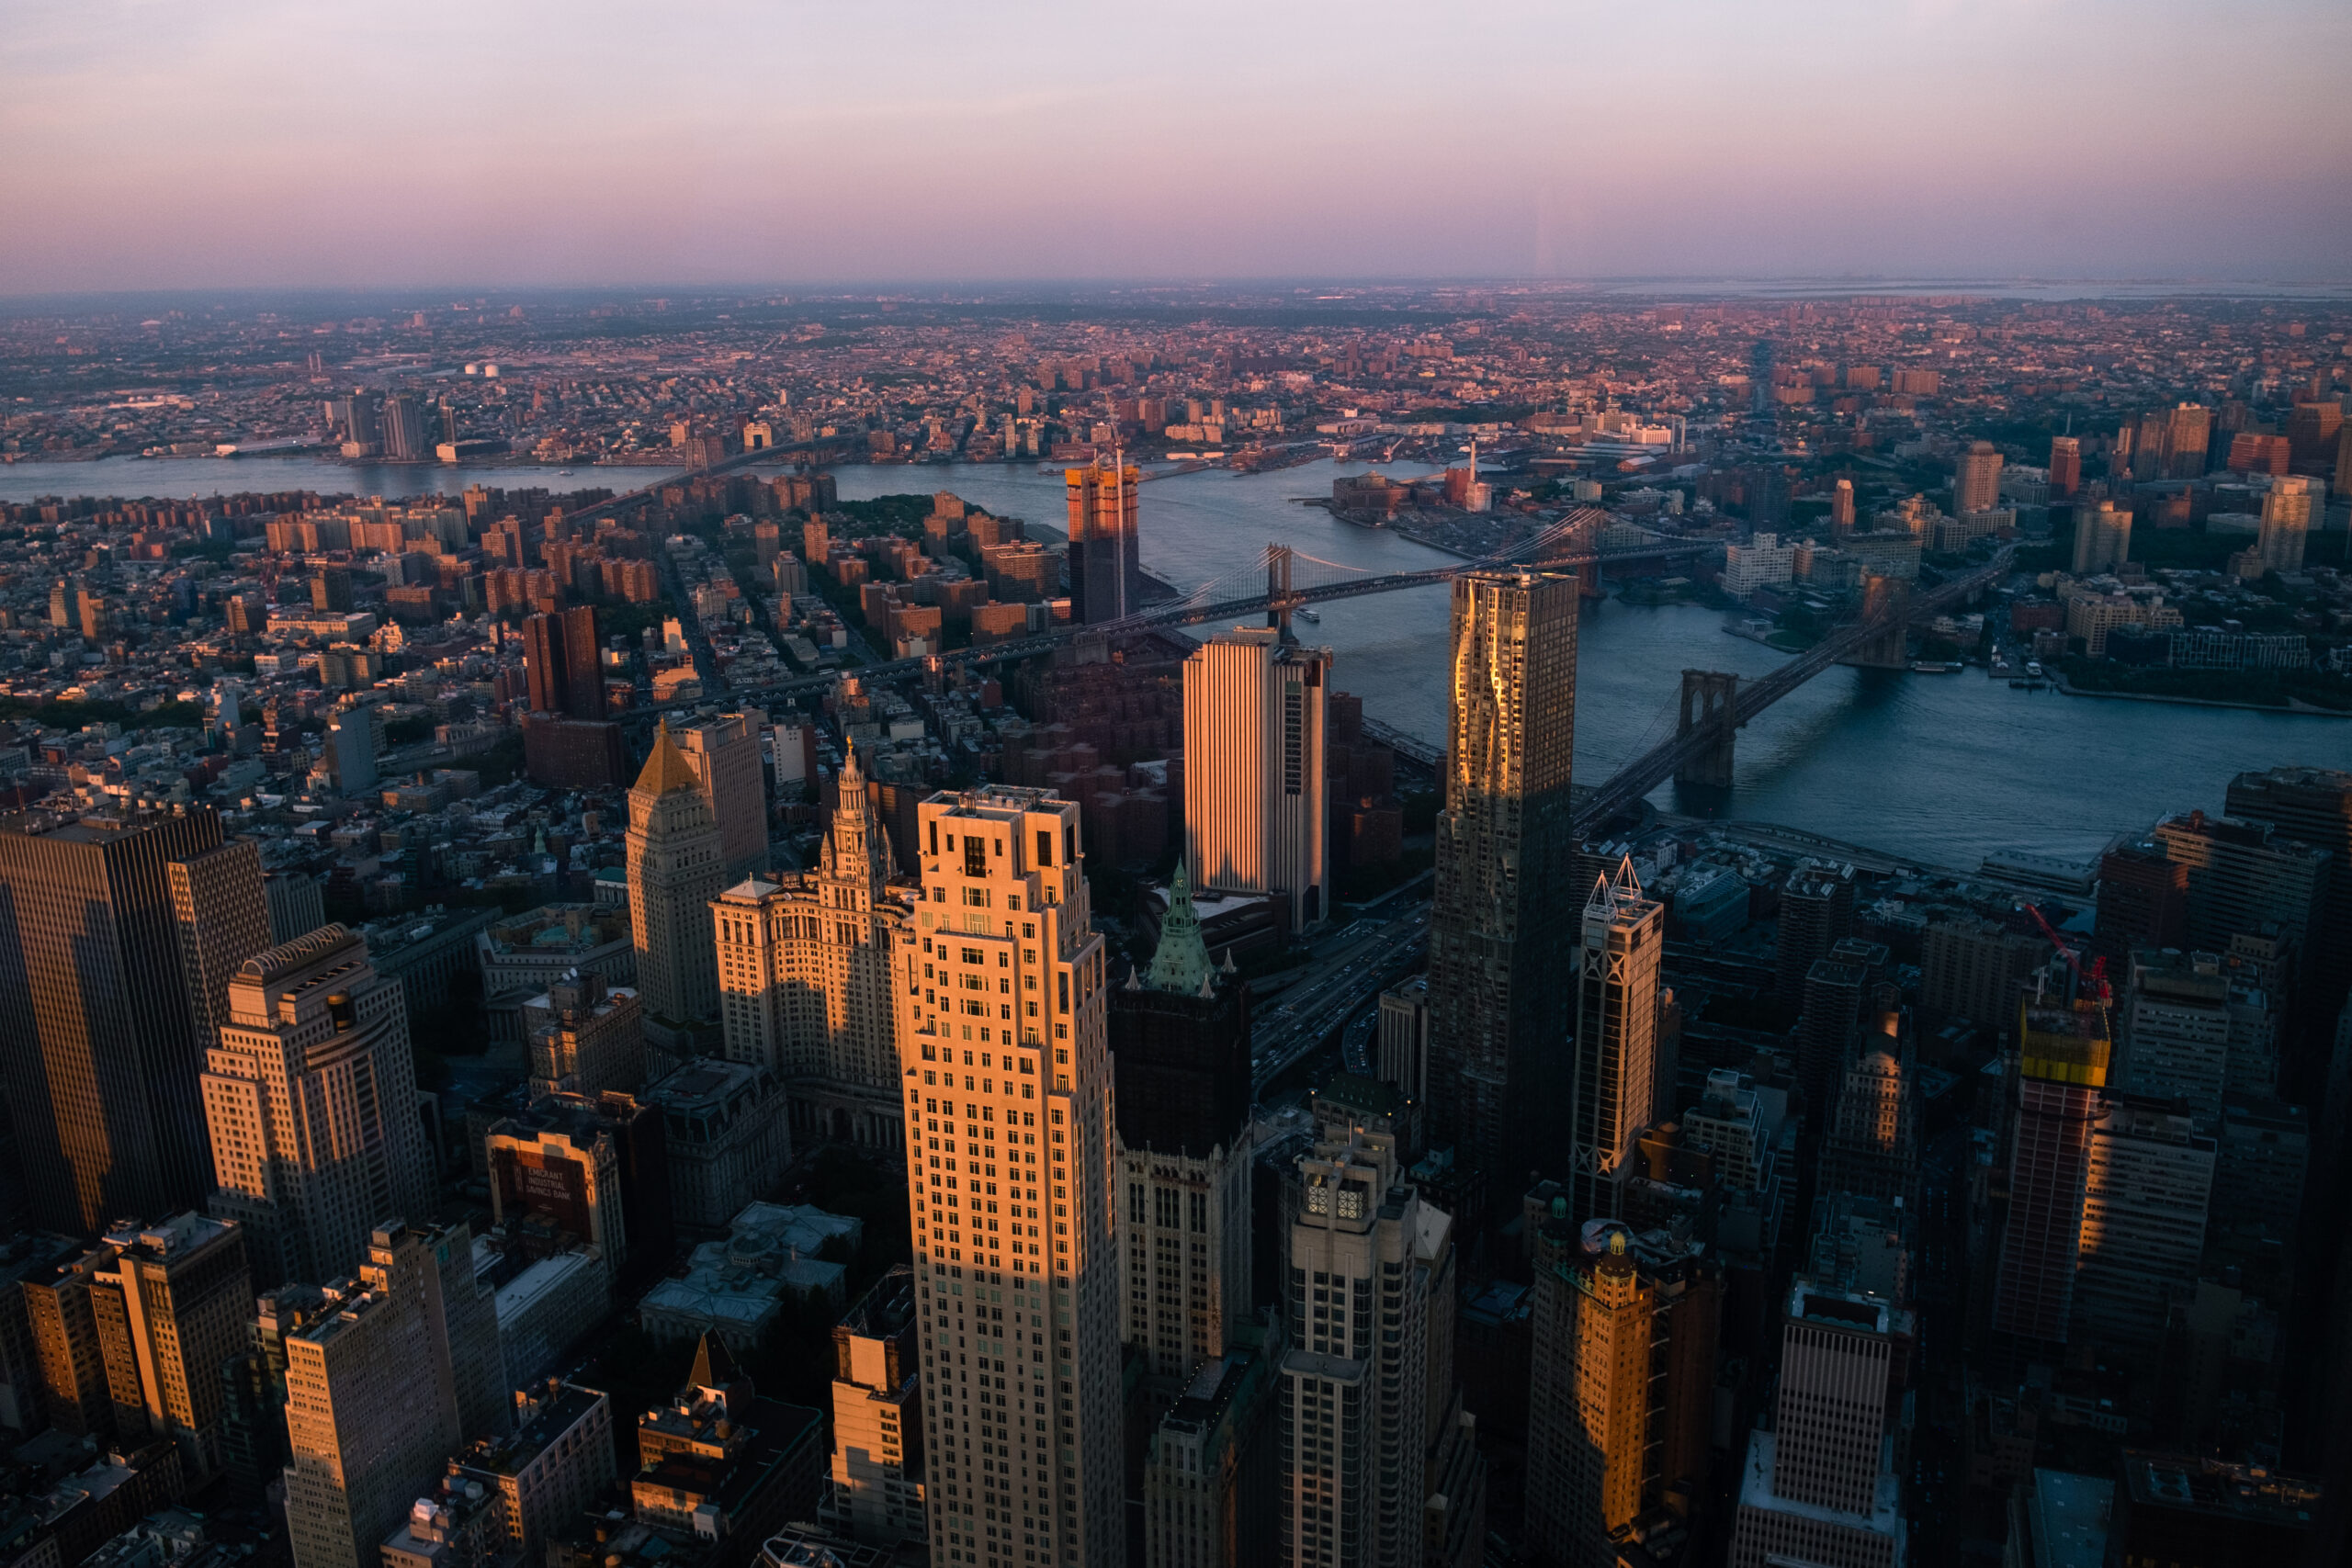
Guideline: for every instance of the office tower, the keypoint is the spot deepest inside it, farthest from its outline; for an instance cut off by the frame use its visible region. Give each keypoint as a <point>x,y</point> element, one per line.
<point>1821,1486</point>
<point>311,1100</point>
<point>1614,1092</point>
<point>1842,507</point>
<point>726,1134</point>
<point>2286,523</point>
<point>1403,1058</point>
<point>1104,563</point>
<point>2143,900</point>
<point>724,752</point>
<point>550,1469</point>
<point>2148,446</point>
<point>1354,1401</point>
<point>98,1046</point>
<point>2244,876</point>
<point>584,1038</point>
<point>252,1422</point>
<point>1872,1147</point>
<point>2187,434</point>
<point>593,1170</point>
<point>876,1492</point>
<point>676,866</point>
<point>1976,479</point>
<point>1211,1493</point>
<point>2313,806</point>
<point>1834,994</point>
<point>1499,938</point>
<point>2102,538</point>
<point>1620,1385</point>
<point>63,1315</point>
<point>1021,997</point>
<point>330,589</point>
<point>296,905</point>
<point>172,1304</point>
<point>2062,1060</point>
<point>381,1387</point>
<point>2150,1178</point>
<point>2065,467</point>
<point>817,972</point>
<point>1255,806</point>
<point>1816,913</point>
<point>1180,1050</point>
<point>2190,1031</point>
<point>561,660</point>
<point>222,919</point>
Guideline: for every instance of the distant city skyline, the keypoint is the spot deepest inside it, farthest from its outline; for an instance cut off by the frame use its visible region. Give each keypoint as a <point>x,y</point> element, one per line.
<point>246,145</point>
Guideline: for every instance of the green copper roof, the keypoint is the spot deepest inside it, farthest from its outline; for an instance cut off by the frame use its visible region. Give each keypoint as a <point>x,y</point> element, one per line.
<point>1181,963</point>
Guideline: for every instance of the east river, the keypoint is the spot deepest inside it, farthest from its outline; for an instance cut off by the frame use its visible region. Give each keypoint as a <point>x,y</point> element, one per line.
<point>1939,768</point>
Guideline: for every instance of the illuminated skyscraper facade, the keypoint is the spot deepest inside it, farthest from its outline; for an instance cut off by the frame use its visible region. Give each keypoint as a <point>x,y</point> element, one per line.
<point>1007,1076</point>
<point>1255,813</point>
<point>676,866</point>
<point>818,975</point>
<point>1499,932</point>
<point>2062,1066</point>
<point>1612,1083</point>
<point>1104,563</point>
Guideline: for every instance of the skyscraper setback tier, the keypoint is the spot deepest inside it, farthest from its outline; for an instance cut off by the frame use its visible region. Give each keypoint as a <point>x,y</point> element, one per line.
<point>99,1049</point>
<point>1104,563</point>
<point>1007,1076</point>
<point>311,1100</point>
<point>1499,934</point>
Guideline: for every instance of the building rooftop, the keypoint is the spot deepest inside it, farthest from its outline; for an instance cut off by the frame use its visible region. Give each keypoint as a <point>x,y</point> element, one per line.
<point>2069,1516</point>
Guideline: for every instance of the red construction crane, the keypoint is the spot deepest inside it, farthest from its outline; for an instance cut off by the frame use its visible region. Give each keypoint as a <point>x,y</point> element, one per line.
<point>2093,981</point>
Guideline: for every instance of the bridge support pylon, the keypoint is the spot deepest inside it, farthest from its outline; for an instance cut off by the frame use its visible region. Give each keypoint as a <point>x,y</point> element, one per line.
<point>1707,706</point>
<point>1885,600</point>
<point>1280,600</point>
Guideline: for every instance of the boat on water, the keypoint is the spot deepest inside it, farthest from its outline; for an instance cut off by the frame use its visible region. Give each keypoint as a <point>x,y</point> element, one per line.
<point>1933,667</point>
<point>2033,667</point>
<point>563,473</point>
<point>1309,616</point>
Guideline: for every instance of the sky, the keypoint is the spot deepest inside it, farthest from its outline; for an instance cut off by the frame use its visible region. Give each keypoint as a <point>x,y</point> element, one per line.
<point>156,144</point>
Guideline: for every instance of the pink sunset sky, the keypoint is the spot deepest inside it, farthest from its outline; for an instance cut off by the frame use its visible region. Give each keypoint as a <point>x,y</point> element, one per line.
<point>157,144</point>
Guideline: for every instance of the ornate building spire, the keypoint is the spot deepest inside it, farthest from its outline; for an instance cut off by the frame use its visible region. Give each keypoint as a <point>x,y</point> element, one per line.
<point>1181,963</point>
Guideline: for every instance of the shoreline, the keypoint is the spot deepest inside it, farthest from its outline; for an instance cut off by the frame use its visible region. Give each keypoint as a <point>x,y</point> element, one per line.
<point>2295,706</point>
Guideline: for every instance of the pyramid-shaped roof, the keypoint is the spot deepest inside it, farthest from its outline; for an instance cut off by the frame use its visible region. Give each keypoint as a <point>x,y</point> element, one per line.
<point>667,770</point>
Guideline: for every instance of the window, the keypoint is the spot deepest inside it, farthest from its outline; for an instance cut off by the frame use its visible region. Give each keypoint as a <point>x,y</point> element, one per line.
<point>1044,846</point>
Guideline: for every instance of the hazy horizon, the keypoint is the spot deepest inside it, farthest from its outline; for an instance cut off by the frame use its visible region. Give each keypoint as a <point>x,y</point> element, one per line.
<point>253,145</point>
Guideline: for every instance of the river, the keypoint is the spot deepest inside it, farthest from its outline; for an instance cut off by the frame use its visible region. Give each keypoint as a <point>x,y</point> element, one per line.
<point>1939,768</point>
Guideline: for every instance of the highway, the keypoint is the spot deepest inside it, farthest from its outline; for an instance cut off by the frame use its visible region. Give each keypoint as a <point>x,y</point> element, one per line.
<point>1350,967</point>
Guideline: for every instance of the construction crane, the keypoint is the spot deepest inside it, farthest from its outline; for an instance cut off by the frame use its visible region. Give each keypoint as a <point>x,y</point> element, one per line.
<point>2091,982</point>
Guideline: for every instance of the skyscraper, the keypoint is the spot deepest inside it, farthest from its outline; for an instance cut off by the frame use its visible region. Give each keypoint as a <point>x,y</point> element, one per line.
<point>2149,1178</point>
<point>1620,1403</point>
<point>175,1300</point>
<point>1612,1083</point>
<point>1976,479</point>
<point>724,752</point>
<point>309,1096</point>
<point>2187,434</point>
<point>381,1388</point>
<point>2314,805</point>
<point>1105,565</point>
<point>1355,1387</point>
<point>676,866</point>
<point>1500,935</point>
<point>2102,538</point>
<point>817,971</point>
<point>223,919</point>
<point>2286,524</point>
<point>99,1051</point>
<point>877,1491</point>
<point>1255,812</point>
<point>1842,507</point>
<point>1872,1147</point>
<point>1821,1486</point>
<point>1008,1072</point>
<point>2065,467</point>
<point>1816,913</point>
<point>2245,875</point>
<point>560,658</point>
<point>2063,1061</point>
<point>1180,1043</point>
